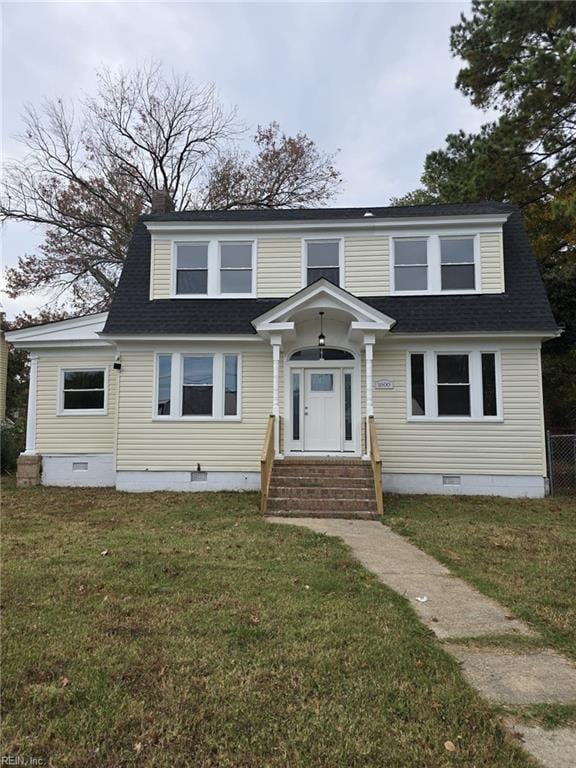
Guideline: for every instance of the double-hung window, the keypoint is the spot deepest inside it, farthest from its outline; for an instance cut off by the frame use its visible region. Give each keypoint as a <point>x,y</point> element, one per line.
<point>435,264</point>
<point>214,268</point>
<point>83,391</point>
<point>453,385</point>
<point>236,267</point>
<point>192,268</point>
<point>197,386</point>
<point>457,264</point>
<point>323,260</point>
<point>411,264</point>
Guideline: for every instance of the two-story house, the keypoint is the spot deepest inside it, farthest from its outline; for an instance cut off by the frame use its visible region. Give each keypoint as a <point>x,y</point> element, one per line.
<point>407,335</point>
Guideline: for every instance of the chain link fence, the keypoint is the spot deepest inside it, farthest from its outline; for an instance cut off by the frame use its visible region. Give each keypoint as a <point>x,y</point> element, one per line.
<point>562,464</point>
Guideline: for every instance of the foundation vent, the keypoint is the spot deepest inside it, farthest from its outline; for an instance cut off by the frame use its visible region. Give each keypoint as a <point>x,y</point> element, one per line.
<point>451,480</point>
<point>198,477</point>
<point>79,466</point>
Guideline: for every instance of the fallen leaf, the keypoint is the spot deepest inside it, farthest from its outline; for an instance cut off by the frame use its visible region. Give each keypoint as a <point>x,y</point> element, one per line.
<point>449,746</point>
<point>138,747</point>
<point>104,552</point>
<point>64,682</point>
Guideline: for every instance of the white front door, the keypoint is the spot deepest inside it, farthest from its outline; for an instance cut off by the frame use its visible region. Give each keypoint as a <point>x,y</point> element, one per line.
<point>322,410</point>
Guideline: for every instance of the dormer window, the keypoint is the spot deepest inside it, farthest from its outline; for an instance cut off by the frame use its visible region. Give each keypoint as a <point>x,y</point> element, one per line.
<point>436,264</point>
<point>213,268</point>
<point>457,263</point>
<point>192,268</point>
<point>322,260</point>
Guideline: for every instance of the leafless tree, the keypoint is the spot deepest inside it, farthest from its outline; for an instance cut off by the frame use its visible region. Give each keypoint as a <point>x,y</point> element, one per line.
<point>90,171</point>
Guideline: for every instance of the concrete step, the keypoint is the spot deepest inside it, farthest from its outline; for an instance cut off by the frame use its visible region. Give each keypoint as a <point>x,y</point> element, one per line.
<point>324,491</point>
<point>324,504</point>
<point>349,515</point>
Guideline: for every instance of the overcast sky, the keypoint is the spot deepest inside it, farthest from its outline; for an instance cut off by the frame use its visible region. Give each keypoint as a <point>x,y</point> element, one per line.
<point>373,80</point>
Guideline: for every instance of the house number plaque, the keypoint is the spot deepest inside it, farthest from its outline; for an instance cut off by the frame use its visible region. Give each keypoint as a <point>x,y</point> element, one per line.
<point>383,384</point>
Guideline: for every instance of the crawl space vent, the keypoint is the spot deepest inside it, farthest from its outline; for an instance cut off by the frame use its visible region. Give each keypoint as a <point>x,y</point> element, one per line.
<point>198,477</point>
<point>451,479</point>
<point>79,466</point>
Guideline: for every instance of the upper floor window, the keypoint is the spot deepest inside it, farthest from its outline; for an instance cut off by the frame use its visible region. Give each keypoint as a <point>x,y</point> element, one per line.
<point>214,268</point>
<point>323,260</point>
<point>83,391</point>
<point>453,385</point>
<point>192,268</point>
<point>411,264</point>
<point>235,267</point>
<point>457,263</point>
<point>435,264</point>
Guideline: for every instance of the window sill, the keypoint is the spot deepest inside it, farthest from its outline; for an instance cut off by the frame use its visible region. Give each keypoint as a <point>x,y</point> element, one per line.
<point>436,293</point>
<point>223,419</point>
<point>455,419</point>
<point>251,295</point>
<point>85,412</point>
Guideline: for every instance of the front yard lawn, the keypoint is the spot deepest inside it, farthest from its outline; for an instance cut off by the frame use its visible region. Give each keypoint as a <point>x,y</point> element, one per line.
<point>520,551</point>
<point>175,630</point>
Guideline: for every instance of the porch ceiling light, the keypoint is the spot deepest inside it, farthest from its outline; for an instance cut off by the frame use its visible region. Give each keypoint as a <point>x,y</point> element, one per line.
<point>321,337</point>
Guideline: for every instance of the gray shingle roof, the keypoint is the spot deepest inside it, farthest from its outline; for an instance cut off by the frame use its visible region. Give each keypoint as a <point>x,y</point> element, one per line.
<point>524,306</point>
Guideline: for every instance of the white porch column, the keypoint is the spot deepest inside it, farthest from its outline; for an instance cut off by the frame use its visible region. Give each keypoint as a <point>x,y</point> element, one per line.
<point>276,341</point>
<point>369,341</point>
<point>31,415</point>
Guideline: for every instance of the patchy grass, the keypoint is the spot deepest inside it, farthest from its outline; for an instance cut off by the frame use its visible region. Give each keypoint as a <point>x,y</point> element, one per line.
<point>520,551</point>
<point>165,629</point>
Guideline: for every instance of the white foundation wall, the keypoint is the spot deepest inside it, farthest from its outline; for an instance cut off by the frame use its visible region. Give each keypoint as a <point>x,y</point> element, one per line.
<point>79,469</point>
<point>514,486</point>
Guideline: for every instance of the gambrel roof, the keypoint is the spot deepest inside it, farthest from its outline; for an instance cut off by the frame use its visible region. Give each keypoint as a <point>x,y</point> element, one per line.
<point>523,308</point>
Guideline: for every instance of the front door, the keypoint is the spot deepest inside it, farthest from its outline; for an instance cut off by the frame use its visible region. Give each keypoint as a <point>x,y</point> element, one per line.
<point>322,410</point>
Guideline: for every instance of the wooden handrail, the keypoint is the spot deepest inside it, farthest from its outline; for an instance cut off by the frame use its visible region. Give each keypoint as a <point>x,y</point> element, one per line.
<point>266,464</point>
<point>376,462</point>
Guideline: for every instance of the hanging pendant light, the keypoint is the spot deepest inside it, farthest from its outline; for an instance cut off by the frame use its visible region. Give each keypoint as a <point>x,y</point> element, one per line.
<point>321,337</point>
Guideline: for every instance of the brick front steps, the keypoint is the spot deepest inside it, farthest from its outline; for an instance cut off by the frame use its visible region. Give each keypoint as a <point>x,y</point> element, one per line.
<point>328,487</point>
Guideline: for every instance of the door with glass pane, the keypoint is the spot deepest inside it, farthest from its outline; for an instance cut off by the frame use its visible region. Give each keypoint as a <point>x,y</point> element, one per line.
<point>322,410</point>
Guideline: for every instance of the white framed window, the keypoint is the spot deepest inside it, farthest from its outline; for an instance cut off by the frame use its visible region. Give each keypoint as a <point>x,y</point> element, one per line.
<point>454,385</point>
<point>210,268</point>
<point>83,392</point>
<point>197,386</point>
<point>457,269</point>
<point>236,269</point>
<point>436,263</point>
<point>323,258</point>
<point>411,264</point>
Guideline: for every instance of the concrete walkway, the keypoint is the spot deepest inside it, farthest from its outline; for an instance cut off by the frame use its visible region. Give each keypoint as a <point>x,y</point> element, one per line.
<point>453,609</point>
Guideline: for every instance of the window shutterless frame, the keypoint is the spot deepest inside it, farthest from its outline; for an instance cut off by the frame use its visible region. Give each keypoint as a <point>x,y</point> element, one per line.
<point>434,262</point>
<point>475,376</point>
<point>339,265</point>
<point>218,385</point>
<point>61,411</point>
<point>214,265</point>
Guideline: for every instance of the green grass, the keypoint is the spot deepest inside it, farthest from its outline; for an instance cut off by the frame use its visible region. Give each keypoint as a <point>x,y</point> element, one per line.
<point>520,551</point>
<point>208,637</point>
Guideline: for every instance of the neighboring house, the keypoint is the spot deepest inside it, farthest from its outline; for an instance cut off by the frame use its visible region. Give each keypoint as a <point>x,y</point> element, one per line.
<point>429,318</point>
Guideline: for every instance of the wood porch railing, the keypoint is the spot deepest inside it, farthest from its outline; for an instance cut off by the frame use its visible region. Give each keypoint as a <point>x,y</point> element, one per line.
<point>376,462</point>
<point>267,464</point>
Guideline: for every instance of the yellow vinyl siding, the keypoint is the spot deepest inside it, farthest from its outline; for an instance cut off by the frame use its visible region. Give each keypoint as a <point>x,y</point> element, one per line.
<point>279,267</point>
<point>512,447</point>
<point>367,265</point>
<point>72,434</point>
<point>4,349</point>
<point>161,269</point>
<point>492,262</point>
<point>144,443</point>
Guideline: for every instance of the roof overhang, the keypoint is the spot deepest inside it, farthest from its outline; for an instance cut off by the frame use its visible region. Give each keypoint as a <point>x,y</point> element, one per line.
<point>322,296</point>
<point>305,225</point>
<point>75,332</point>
